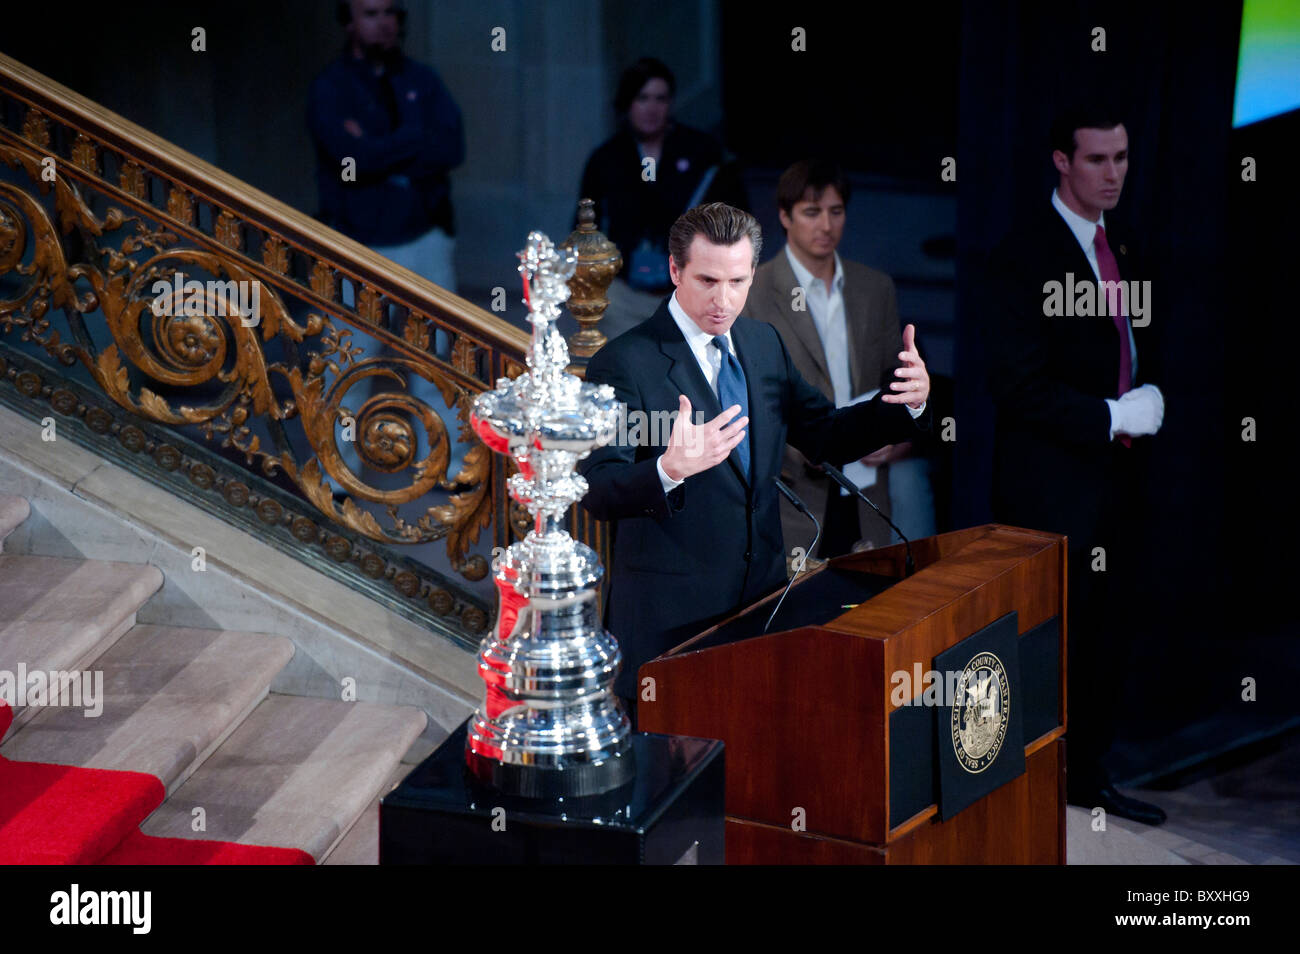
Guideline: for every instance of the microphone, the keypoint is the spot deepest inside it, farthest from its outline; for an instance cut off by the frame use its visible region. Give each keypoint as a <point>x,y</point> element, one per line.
<point>799,505</point>
<point>838,476</point>
<point>791,496</point>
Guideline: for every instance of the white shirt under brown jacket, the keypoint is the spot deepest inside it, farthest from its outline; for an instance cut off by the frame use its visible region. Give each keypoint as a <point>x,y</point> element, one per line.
<point>874,338</point>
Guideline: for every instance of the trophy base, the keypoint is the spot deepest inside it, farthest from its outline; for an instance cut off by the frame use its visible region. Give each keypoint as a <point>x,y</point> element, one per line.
<point>668,810</point>
<point>573,781</point>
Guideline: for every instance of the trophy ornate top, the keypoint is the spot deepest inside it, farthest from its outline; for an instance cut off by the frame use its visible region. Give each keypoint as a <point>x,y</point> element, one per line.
<point>546,270</point>
<point>546,419</point>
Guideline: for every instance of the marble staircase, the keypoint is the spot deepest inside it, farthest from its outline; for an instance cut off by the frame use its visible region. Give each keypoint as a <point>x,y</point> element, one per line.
<point>192,706</point>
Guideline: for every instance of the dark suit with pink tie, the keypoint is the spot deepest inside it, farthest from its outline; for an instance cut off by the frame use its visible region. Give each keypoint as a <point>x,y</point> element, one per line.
<point>1054,465</point>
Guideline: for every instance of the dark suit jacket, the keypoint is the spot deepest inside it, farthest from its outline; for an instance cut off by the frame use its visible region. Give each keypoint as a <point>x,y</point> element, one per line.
<point>875,338</point>
<point>1054,466</point>
<point>427,142</point>
<point>682,561</point>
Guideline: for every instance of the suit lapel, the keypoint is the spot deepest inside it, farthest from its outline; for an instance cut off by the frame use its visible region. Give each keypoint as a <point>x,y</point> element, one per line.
<point>1102,333</point>
<point>686,375</point>
<point>1116,237</point>
<point>800,322</point>
<point>1072,250</point>
<point>685,372</point>
<point>855,303</point>
<point>1131,269</point>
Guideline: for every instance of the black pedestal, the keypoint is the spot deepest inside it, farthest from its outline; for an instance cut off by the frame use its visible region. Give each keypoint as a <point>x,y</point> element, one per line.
<point>671,811</point>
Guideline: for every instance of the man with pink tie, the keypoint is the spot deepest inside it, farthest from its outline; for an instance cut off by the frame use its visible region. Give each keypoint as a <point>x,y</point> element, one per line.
<point>1076,416</point>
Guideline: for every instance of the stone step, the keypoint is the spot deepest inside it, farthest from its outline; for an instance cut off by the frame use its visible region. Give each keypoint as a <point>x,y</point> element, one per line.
<point>13,511</point>
<point>1116,844</point>
<point>170,697</point>
<point>61,614</point>
<point>297,773</point>
<point>360,846</point>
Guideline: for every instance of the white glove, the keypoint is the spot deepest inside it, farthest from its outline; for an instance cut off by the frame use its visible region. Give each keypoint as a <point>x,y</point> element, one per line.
<point>1139,413</point>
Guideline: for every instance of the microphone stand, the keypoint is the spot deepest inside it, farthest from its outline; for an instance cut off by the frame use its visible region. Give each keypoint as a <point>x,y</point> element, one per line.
<point>803,509</point>
<point>838,476</point>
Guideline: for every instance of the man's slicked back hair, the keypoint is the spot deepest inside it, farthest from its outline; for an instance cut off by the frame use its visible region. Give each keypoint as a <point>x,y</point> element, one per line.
<point>719,223</point>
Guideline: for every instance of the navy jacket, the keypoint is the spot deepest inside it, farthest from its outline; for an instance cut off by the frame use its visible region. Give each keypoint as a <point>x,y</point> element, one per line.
<point>684,560</point>
<point>402,188</point>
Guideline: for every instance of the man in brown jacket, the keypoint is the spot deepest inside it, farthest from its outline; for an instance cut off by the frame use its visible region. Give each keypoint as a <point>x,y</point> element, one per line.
<point>839,320</point>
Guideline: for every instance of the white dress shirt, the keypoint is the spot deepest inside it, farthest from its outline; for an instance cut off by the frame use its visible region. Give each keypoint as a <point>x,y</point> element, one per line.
<point>708,358</point>
<point>826,306</point>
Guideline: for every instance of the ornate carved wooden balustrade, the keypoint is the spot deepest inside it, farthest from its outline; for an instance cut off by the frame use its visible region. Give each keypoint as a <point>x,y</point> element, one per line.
<point>333,423</point>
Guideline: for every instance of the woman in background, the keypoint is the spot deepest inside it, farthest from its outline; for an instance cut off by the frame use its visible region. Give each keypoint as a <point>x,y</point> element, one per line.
<point>642,178</point>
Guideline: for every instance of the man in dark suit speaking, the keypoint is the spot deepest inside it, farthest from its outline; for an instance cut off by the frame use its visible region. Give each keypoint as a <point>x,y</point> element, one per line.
<point>697,529</point>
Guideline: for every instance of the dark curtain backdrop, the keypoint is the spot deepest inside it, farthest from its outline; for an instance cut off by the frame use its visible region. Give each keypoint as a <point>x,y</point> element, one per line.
<point>1204,620</point>
<point>874,87</point>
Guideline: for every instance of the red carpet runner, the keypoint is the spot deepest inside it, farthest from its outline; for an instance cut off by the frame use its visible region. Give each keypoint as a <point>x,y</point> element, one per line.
<point>58,814</point>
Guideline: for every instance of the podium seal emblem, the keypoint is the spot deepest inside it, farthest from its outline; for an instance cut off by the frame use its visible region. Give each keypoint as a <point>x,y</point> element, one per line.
<point>980,712</point>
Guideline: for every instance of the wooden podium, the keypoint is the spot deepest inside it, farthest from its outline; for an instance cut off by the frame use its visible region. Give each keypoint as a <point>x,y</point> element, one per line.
<point>824,765</point>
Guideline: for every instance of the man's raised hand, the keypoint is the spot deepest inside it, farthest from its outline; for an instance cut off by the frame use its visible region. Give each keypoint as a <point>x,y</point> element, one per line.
<point>693,448</point>
<point>914,387</point>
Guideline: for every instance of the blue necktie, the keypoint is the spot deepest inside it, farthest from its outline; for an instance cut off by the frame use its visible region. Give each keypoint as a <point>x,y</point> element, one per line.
<point>731,390</point>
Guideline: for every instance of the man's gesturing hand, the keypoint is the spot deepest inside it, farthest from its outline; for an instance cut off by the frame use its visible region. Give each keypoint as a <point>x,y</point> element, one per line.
<point>914,387</point>
<point>696,447</point>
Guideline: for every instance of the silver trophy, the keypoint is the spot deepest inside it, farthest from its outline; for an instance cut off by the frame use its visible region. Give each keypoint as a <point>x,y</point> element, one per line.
<point>549,725</point>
